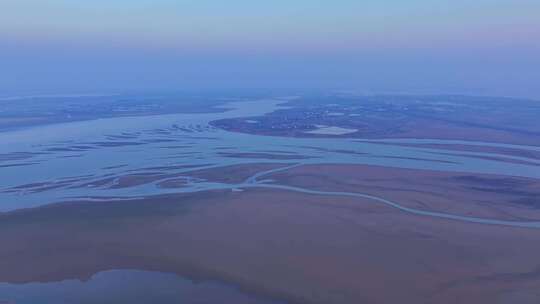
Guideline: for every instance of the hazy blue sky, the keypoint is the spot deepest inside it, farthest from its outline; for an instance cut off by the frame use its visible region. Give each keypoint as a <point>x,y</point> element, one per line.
<point>469,46</point>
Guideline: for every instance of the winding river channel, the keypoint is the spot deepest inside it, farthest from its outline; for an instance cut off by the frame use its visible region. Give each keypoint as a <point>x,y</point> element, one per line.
<point>47,164</point>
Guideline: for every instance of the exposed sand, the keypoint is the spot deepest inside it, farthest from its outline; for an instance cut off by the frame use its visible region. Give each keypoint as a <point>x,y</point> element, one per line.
<point>416,128</point>
<point>232,174</point>
<point>285,245</point>
<point>479,195</point>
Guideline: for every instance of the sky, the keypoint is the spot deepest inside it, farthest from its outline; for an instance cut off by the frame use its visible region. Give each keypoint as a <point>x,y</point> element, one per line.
<point>460,46</point>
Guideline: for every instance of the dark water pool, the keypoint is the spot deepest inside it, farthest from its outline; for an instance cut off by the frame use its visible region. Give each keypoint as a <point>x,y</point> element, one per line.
<point>127,286</point>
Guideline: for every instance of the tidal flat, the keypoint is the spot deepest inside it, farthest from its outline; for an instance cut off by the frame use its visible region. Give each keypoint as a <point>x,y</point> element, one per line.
<point>265,219</point>
<point>276,244</point>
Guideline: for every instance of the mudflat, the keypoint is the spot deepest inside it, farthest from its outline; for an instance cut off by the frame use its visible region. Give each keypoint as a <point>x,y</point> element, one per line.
<point>283,245</point>
<point>320,219</point>
<point>479,195</point>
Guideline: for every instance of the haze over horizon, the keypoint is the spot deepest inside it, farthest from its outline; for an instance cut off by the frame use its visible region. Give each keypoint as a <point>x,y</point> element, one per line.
<point>269,152</point>
<point>470,47</point>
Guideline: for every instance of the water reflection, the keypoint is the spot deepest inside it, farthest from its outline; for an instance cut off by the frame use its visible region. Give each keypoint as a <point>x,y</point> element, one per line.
<point>127,286</point>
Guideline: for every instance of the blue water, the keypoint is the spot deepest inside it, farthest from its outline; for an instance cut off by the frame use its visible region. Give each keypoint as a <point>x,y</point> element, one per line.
<point>187,139</point>
<point>67,161</point>
<point>127,286</point>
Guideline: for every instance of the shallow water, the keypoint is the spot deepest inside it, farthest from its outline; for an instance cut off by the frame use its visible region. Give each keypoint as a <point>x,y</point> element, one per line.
<point>47,164</point>
<point>127,286</point>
